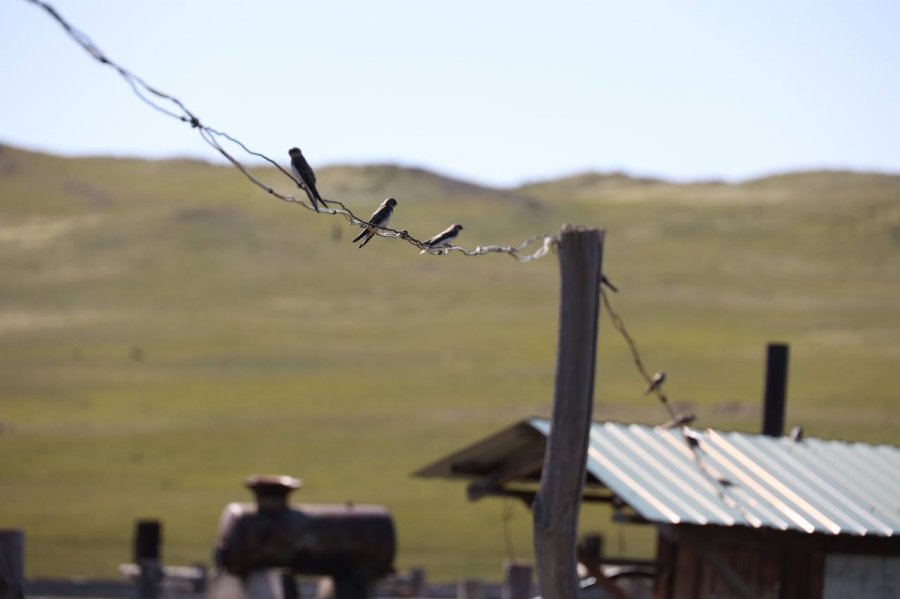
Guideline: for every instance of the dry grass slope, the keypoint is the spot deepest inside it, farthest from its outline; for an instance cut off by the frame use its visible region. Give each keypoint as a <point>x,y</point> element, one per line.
<point>167,329</point>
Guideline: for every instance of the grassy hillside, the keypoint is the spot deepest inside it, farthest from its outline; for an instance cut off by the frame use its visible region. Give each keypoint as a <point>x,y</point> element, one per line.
<point>167,329</point>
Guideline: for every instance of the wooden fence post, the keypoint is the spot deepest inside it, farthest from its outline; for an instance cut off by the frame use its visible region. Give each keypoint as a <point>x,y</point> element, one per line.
<point>470,588</point>
<point>12,564</point>
<point>147,551</point>
<point>516,580</point>
<point>558,500</point>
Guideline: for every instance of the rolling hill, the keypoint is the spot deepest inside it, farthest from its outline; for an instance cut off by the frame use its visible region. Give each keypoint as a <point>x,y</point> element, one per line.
<point>168,329</point>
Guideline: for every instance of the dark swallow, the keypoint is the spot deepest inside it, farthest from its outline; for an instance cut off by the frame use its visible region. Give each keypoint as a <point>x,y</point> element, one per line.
<point>442,239</point>
<point>306,178</point>
<point>380,218</point>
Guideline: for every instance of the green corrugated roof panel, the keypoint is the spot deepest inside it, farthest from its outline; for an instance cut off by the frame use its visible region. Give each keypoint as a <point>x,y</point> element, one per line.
<point>813,485</point>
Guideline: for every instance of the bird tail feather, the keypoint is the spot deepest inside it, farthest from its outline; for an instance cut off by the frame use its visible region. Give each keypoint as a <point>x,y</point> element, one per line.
<point>368,239</point>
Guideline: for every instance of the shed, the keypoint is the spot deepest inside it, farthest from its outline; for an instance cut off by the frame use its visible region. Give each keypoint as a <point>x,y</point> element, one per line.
<point>737,514</point>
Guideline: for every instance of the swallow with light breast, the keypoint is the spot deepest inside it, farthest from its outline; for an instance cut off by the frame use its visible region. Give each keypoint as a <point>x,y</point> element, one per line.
<point>306,178</point>
<point>379,218</point>
<point>443,239</point>
<point>656,382</point>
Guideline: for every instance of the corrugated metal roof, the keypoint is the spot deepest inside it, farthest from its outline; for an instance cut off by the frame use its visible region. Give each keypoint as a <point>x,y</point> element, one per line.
<point>826,487</point>
<point>732,479</point>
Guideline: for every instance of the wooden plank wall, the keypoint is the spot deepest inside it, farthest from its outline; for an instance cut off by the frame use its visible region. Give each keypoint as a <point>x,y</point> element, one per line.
<point>770,566</point>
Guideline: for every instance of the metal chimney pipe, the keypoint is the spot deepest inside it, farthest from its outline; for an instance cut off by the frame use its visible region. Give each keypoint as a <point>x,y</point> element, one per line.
<point>147,540</point>
<point>775,397</point>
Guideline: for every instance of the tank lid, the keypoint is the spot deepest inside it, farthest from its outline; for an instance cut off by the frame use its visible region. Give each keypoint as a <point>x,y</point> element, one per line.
<point>272,490</point>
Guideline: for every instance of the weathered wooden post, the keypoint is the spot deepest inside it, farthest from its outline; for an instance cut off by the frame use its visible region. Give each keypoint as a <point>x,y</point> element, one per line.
<point>516,581</point>
<point>558,500</point>
<point>147,544</point>
<point>12,564</point>
<point>470,588</point>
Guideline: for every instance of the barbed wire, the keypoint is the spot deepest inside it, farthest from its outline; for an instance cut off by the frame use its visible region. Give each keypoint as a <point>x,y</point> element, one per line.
<point>677,420</point>
<point>619,324</point>
<point>533,248</point>
<point>171,106</point>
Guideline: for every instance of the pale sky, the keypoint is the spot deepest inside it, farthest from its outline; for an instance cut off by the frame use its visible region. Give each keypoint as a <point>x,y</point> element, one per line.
<point>496,92</point>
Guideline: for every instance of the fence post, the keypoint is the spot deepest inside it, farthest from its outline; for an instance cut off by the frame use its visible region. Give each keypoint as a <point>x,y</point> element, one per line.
<point>516,580</point>
<point>12,564</point>
<point>147,542</point>
<point>558,500</point>
<point>470,588</point>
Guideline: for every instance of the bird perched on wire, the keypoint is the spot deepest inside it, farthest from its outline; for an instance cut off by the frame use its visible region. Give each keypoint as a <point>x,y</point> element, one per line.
<point>379,218</point>
<point>442,239</point>
<point>656,382</point>
<point>306,178</point>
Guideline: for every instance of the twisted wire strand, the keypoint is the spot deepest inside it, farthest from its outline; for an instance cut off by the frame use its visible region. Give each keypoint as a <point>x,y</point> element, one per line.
<point>157,100</point>
<point>178,110</point>
<point>171,106</point>
<point>619,325</point>
<point>533,248</point>
<point>720,486</point>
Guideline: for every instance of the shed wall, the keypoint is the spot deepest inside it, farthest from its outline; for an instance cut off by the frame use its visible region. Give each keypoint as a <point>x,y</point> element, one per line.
<point>697,564</point>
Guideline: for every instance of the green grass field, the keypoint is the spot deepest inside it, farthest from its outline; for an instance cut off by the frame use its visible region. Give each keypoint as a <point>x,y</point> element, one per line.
<point>168,329</point>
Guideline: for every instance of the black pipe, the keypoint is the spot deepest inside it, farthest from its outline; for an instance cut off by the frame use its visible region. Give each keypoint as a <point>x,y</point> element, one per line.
<point>147,540</point>
<point>776,389</point>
